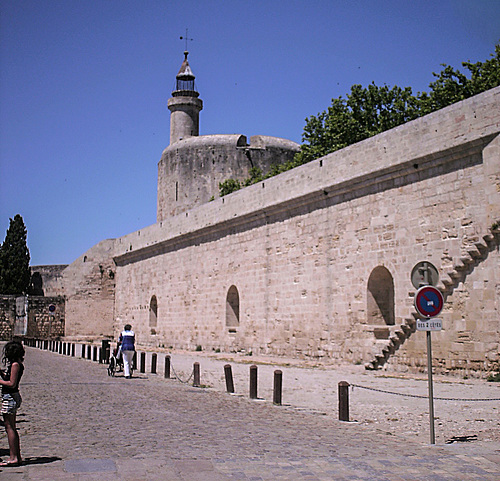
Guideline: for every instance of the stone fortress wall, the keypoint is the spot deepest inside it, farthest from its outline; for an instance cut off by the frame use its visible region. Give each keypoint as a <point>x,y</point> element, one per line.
<point>88,287</point>
<point>316,262</point>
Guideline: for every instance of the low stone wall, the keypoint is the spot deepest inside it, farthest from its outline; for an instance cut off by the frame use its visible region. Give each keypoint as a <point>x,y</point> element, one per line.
<point>7,316</point>
<point>46,317</point>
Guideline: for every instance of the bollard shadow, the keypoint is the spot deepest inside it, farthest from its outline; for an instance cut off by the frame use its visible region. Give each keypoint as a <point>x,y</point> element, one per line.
<point>462,439</point>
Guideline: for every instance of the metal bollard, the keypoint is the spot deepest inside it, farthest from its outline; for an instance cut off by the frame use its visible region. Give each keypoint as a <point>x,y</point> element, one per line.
<point>167,367</point>
<point>196,375</point>
<point>253,382</point>
<point>228,373</point>
<point>143,362</point>
<point>153,363</point>
<point>278,385</point>
<point>343,401</point>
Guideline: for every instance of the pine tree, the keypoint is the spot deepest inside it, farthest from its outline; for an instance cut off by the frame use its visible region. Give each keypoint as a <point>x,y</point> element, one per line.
<point>15,259</point>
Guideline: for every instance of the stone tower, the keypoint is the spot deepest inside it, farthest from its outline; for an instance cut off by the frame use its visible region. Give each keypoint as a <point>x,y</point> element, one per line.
<point>184,105</point>
<point>192,166</point>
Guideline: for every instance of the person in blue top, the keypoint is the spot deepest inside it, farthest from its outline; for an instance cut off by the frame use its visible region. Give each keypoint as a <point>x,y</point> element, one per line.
<point>13,357</point>
<point>127,345</point>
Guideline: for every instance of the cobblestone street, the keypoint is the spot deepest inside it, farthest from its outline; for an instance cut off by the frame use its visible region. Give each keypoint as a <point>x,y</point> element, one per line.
<point>76,423</point>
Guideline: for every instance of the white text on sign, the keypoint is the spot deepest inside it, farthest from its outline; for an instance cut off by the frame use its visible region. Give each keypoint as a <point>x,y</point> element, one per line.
<point>429,324</point>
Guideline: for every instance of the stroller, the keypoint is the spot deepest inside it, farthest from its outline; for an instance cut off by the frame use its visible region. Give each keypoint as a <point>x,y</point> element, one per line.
<point>115,362</point>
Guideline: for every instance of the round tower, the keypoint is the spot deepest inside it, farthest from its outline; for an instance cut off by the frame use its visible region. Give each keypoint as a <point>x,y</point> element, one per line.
<point>184,105</point>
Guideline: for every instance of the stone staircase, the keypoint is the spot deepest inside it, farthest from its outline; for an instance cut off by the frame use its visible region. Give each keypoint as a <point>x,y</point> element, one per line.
<point>475,254</point>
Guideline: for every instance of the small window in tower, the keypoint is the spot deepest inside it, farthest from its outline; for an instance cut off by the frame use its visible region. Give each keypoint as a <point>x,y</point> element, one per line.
<point>176,191</point>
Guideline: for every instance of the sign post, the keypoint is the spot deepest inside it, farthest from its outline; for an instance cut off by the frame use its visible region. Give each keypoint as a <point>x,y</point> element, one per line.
<point>429,302</point>
<point>431,390</point>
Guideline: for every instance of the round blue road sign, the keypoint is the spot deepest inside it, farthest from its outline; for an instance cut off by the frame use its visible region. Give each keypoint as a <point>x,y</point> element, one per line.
<point>429,301</point>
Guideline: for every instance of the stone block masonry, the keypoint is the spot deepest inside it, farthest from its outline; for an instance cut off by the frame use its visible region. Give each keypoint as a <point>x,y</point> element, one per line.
<point>45,317</point>
<point>300,249</point>
<point>316,262</point>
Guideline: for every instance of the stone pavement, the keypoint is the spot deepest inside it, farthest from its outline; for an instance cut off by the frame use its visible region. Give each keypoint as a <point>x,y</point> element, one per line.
<point>76,423</point>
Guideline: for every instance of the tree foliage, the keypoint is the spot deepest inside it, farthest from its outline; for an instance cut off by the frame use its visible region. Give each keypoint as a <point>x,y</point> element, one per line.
<point>367,111</point>
<point>228,186</point>
<point>15,259</point>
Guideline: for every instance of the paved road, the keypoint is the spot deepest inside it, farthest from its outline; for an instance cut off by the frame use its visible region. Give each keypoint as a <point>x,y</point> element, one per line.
<point>77,423</point>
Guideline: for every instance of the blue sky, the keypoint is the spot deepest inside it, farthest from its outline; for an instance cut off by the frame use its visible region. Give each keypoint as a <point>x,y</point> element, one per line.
<point>84,88</point>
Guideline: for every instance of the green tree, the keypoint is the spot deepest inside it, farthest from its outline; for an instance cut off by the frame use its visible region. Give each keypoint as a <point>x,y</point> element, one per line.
<point>367,111</point>
<point>15,259</point>
<point>228,186</point>
<point>370,110</point>
<point>452,85</point>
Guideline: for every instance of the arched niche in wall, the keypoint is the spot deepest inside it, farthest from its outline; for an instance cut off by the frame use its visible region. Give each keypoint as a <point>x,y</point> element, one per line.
<point>232,309</point>
<point>380,297</point>
<point>153,312</point>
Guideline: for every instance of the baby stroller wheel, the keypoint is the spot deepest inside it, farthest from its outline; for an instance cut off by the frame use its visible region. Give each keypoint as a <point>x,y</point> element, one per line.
<point>112,367</point>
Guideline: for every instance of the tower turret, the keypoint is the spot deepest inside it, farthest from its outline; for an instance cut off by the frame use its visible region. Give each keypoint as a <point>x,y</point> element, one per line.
<point>184,105</point>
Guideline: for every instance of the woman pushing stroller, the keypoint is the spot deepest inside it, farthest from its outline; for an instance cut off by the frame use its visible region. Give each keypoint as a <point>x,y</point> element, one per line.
<point>127,347</point>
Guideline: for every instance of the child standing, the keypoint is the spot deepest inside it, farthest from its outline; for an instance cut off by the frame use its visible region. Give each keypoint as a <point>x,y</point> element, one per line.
<point>13,357</point>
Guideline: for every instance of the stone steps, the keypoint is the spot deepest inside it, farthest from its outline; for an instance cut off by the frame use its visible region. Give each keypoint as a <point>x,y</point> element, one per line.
<point>475,254</point>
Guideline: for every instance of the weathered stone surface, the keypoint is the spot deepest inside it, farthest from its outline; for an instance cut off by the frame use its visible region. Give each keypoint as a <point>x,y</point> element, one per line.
<point>300,248</point>
<point>45,317</point>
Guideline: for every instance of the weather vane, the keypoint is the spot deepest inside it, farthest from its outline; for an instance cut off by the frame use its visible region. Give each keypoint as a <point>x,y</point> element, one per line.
<point>186,38</point>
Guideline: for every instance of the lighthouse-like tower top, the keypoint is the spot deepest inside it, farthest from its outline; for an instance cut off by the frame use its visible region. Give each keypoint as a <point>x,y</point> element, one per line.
<point>184,105</point>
